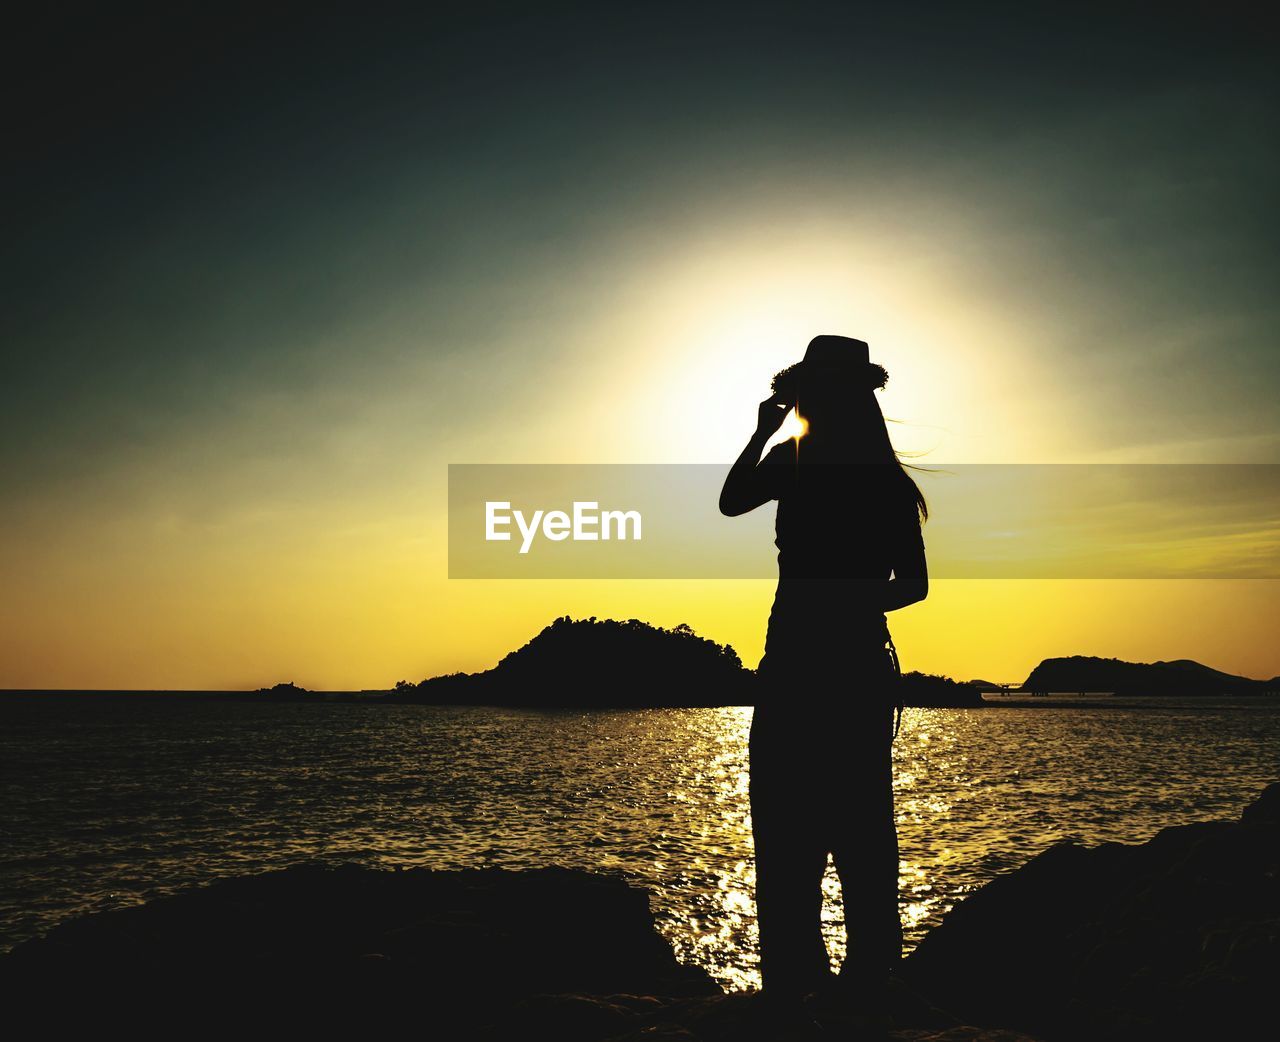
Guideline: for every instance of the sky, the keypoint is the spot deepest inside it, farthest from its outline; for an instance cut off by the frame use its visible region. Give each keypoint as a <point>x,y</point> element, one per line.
<point>268,275</point>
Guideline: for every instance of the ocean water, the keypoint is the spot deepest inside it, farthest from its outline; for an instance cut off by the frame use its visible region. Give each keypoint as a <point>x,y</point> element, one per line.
<point>108,801</point>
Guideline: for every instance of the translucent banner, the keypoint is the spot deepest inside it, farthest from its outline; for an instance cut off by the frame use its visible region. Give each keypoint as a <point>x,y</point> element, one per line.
<point>987,521</point>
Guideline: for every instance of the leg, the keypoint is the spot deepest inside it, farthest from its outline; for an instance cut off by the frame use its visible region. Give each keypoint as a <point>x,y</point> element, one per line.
<point>791,859</point>
<point>866,852</point>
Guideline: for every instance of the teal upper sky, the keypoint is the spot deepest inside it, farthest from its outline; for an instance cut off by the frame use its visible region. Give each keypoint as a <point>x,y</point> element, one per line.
<point>224,230</point>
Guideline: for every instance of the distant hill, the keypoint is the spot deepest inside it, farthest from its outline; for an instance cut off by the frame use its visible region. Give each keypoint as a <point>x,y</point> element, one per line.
<point>1180,677</point>
<point>933,691</point>
<point>287,692</point>
<point>600,662</point>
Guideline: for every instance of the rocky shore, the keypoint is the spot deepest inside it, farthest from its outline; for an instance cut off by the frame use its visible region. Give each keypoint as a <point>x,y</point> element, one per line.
<point>1175,938</point>
<point>1178,937</point>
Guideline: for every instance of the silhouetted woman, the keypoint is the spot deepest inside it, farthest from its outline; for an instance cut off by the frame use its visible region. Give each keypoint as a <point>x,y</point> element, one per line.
<point>849,550</point>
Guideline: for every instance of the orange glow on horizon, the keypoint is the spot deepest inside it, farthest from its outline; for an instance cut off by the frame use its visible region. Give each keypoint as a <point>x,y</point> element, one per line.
<point>329,566</point>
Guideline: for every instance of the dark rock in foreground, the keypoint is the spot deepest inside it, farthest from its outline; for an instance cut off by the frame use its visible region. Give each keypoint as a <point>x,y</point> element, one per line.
<point>479,954</point>
<point>1175,938</point>
<point>452,932</point>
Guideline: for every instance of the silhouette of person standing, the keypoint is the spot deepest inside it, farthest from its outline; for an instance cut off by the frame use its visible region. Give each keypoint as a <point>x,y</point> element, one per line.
<point>849,550</point>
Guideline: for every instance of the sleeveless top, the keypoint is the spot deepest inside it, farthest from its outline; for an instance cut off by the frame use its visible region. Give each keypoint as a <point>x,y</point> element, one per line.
<point>840,521</point>
<point>840,529</point>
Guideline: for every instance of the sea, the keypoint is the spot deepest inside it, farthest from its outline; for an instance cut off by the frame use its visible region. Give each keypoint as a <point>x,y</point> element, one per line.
<point>107,801</point>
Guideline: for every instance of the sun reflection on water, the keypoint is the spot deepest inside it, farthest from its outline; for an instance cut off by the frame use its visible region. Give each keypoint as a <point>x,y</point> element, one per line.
<point>721,932</point>
<point>952,782</point>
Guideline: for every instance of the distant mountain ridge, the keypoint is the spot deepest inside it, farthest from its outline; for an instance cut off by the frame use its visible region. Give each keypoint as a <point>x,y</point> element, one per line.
<point>1179,677</point>
<point>607,663</point>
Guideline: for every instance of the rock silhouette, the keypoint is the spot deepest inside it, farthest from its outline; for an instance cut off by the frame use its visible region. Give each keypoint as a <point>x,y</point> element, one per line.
<point>1178,937</point>
<point>480,954</point>
<point>1175,938</point>
<point>478,942</point>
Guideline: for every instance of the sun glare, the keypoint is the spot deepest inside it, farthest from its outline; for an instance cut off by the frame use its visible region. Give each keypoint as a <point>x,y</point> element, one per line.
<point>794,426</point>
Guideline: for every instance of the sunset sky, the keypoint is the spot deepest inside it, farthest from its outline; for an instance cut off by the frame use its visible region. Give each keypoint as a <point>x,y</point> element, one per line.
<point>266,278</point>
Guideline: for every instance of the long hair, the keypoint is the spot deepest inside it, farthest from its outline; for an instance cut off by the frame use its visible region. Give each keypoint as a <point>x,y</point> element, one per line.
<point>842,411</point>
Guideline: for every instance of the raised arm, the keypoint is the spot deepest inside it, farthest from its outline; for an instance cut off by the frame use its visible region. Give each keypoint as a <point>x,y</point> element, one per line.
<point>746,487</point>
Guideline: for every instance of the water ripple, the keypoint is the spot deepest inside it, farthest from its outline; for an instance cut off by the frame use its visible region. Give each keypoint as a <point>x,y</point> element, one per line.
<point>111,802</point>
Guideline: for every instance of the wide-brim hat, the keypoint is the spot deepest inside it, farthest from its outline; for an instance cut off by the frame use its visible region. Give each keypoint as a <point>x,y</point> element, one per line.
<point>837,352</point>
<point>835,361</point>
